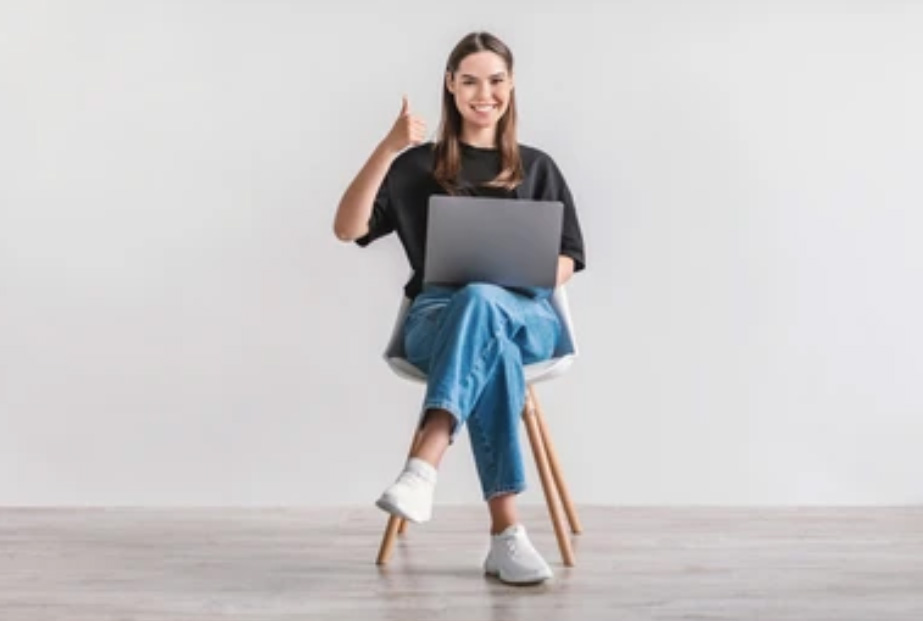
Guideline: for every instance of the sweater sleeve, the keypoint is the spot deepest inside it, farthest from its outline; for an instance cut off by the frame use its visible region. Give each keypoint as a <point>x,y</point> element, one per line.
<point>571,235</point>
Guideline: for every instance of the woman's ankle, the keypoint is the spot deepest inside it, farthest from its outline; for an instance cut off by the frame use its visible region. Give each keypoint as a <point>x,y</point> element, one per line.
<point>503,513</point>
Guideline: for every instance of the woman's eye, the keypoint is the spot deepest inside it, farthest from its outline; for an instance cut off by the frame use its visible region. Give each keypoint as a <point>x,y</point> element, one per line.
<point>494,82</point>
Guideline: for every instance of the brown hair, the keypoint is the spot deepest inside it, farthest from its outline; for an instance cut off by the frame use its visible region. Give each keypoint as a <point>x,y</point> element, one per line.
<point>448,146</point>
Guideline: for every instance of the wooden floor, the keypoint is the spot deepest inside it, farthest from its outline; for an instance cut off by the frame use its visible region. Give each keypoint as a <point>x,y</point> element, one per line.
<point>734,564</point>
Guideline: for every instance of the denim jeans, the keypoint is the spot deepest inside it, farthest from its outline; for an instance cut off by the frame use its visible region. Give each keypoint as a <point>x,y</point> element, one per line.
<point>472,343</point>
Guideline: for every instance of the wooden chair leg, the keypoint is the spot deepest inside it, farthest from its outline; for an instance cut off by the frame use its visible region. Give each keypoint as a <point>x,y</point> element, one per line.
<point>396,525</point>
<point>548,483</point>
<point>387,541</point>
<point>569,508</point>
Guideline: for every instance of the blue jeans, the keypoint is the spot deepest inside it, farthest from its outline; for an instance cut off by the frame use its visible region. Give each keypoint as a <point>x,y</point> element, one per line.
<point>472,343</point>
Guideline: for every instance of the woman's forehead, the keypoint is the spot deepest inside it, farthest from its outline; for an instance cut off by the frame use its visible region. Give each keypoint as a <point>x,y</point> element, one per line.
<point>482,64</point>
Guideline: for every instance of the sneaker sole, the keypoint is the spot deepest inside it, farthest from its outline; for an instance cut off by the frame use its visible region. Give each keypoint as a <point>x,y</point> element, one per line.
<point>534,581</point>
<point>387,506</point>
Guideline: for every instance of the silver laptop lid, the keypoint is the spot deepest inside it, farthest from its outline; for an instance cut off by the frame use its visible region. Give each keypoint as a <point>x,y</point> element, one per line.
<point>509,242</point>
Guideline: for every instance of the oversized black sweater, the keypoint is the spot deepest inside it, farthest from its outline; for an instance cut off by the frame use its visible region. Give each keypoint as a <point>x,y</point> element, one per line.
<point>402,200</point>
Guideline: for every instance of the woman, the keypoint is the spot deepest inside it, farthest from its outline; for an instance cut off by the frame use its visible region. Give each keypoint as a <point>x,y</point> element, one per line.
<point>472,341</point>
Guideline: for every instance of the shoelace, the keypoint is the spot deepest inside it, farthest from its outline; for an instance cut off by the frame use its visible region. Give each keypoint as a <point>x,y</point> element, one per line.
<point>517,546</point>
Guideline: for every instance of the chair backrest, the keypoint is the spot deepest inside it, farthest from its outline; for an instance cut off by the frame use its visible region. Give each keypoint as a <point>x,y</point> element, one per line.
<point>561,359</point>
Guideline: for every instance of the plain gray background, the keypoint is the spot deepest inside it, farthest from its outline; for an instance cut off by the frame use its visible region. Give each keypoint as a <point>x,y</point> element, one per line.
<point>178,324</point>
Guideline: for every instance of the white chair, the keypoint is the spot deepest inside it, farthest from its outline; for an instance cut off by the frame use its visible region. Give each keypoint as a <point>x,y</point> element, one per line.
<point>546,459</point>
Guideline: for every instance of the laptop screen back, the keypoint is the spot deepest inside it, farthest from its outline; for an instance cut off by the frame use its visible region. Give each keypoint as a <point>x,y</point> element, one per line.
<point>508,242</point>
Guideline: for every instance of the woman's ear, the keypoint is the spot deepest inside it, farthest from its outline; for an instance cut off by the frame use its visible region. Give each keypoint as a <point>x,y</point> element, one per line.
<point>448,82</point>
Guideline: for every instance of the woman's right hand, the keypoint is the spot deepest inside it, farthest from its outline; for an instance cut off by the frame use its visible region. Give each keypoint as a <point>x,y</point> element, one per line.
<point>408,130</point>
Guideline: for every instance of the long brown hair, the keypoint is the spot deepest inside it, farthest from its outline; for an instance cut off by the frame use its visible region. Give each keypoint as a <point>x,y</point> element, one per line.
<point>448,146</point>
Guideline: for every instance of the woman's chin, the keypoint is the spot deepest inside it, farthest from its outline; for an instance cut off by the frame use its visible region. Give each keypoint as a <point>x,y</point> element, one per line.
<point>482,123</point>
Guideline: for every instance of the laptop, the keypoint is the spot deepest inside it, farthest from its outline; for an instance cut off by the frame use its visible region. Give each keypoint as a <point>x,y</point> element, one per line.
<point>505,241</point>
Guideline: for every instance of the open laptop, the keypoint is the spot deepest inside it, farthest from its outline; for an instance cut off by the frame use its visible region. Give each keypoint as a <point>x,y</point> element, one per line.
<point>504,241</point>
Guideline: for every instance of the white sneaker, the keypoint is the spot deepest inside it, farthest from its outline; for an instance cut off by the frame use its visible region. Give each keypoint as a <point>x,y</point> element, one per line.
<point>411,496</point>
<point>514,560</point>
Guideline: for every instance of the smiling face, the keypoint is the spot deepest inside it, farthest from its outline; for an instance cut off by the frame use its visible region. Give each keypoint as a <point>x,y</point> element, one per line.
<point>481,86</point>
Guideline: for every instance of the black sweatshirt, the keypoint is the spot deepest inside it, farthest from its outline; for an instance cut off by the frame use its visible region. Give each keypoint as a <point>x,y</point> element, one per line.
<point>403,198</point>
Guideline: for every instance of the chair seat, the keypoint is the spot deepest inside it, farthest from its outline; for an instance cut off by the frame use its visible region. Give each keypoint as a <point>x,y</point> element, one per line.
<point>536,372</point>
<point>560,361</point>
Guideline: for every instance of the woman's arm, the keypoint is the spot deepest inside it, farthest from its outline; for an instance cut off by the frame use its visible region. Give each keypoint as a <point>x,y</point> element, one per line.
<point>352,217</point>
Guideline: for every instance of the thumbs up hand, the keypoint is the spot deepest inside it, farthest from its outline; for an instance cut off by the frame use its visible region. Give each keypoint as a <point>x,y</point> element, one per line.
<point>408,130</point>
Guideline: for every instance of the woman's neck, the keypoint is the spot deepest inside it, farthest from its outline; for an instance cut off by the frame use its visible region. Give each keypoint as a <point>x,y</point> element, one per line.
<point>481,137</point>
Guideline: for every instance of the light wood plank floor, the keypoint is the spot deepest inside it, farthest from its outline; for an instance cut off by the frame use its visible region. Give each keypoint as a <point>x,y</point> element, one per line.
<point>644,563</point>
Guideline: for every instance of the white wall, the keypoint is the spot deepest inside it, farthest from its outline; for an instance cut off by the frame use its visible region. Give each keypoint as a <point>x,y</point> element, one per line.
<point>178,324</point>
